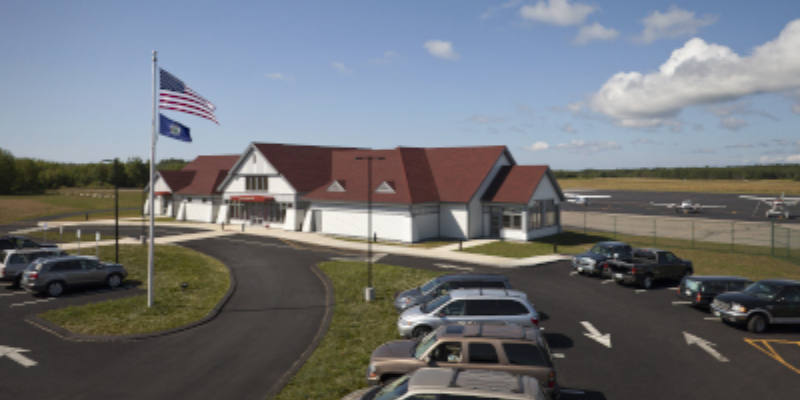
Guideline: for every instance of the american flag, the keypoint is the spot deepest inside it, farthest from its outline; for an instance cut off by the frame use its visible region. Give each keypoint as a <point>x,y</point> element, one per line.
<point>175,95</point>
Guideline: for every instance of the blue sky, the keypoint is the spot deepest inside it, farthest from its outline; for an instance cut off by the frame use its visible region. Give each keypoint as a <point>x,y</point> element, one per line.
<point>573,84</point>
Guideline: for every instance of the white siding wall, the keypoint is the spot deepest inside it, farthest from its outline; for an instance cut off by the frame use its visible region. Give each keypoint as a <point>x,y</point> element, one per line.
<point>389,223</point>
<point>260,167</point>
<point>476,219</point>
<point>425,226</point>
<point>545,191</point>
<point>199,212</point>
<point>453,220</point>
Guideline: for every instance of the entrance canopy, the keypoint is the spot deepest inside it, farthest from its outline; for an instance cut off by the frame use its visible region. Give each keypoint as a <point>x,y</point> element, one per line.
<point>252,199</point>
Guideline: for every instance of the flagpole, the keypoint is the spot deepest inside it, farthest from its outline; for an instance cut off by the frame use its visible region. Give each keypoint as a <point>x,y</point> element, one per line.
<point>152,189</point>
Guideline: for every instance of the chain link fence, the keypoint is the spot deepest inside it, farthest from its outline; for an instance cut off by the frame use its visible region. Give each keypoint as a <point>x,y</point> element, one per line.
<point>764,238</point>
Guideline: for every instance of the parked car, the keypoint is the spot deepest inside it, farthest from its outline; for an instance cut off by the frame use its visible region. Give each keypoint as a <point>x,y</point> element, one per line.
<point>701,290</point>
<point>649,265</point>
<point>55,275</point>
<point>479,346</point>
<point>468,306</point>
<point>445,283</point>
<point>13,262</point>
<point>456,384</point>
<point>591,262</point>
<point>19,242</point>
<point>770,301</point>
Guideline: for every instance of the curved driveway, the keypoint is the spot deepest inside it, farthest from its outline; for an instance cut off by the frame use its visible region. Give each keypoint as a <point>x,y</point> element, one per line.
<point>271,320</point>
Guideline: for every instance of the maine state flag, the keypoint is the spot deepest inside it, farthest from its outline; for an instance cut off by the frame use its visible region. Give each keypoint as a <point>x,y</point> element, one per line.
<point>172,129</point>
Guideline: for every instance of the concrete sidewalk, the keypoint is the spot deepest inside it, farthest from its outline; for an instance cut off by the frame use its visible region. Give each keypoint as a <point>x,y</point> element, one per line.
<point>449,252</point>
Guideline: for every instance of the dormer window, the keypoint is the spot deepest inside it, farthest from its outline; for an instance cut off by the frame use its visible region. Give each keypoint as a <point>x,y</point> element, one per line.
<point>337,186</point>
<point>387,187</point>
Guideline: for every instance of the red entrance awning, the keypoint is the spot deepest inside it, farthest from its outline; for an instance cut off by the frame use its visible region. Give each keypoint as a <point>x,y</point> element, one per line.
<point>246,199</point>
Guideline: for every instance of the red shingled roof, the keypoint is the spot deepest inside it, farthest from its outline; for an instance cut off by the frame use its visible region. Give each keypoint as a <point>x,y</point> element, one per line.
<point>515,184</point>
<point>418,175</point>
<point>305,167</point>
<point>201,176</point>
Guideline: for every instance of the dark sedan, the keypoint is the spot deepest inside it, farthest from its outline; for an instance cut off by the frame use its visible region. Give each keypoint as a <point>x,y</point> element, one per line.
<point>701,290</point>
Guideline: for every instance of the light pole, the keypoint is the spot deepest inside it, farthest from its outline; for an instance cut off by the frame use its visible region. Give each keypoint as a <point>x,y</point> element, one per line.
<point>369,293</point>
<point>116,211</point>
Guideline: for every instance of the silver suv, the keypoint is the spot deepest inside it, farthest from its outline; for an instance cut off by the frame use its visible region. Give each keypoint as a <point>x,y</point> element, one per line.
<point>452,384</point>
<point>55,275</point>
<point>468,306</point>
<point>13,262</point>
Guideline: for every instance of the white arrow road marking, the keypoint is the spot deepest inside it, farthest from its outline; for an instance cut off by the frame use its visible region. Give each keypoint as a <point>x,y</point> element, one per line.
<point>595,335</point>
<point>450,266</point>
<point>677,303</point>
<point>25,303</point>
<point>13,353</point>
<point>705,345</point>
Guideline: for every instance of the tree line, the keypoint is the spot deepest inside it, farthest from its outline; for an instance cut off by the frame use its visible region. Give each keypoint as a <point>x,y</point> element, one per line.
<point>32,176</point>
<point>757,172</point>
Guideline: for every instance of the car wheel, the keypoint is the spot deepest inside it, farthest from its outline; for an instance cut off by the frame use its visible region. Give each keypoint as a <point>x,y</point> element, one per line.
<point>647,283</point>
<point>114,281</point>
<point>757,324</point>
<point>421,331</point>
<point>55,289</point>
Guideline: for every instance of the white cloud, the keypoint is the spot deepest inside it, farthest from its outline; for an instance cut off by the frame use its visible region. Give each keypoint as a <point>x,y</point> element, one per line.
<point>516,129</point>
<point>738,108</point>
<point>594,32</point>
<point>482,119</point>
<point>643,141</point>
<point>388,57</point>
<point>538,146</point>
<point>277,76</point>
<point>673,23</point>
<point>441,49</point>
<point>703,151</point>
<point>510,4</point>
<point>733,123</point>
<point>557,12</point>
<point>341,68</point>
<point>568,128</point>
<point>586,148</point>
<point>796,108</point>
<point>794,158</point>
<point>700,73</point>
<point>740,146</point>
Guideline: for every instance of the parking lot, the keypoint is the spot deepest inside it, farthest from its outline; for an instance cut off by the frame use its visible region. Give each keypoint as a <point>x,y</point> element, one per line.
<point>610,341</point>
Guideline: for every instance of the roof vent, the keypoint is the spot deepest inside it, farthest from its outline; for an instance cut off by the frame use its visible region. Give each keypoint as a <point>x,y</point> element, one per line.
<point>337,186</point>
<point>387,187</point>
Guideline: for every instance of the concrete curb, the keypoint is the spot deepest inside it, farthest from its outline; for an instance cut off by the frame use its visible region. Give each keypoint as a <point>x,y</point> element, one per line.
<point>323,330</point>
<point>66,334</point>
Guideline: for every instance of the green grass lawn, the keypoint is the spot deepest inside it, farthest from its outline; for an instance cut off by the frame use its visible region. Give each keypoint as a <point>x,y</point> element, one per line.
<point>338,364</point>
<point>173,307</point>
<point>753,262</point>
<point>15,208</point>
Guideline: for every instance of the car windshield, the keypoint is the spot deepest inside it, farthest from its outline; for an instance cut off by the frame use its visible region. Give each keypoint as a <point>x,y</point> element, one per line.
<point>693,285</point>
<point>435,303</point>
<point>426,288</point>
<point>424,345</point>
<point>602,250</point>
<point>763,290</point>
<point>394,390</point>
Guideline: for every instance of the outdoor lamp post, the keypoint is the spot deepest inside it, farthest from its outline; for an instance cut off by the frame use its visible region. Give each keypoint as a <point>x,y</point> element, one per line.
<point>369,293</point>
<point>116,210</point>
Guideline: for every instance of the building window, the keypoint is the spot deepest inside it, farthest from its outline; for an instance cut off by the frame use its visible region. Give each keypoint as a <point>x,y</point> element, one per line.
<point>535,216</point>
<point>512,218</point>
<point>257,183</point>
<point>550,213</point>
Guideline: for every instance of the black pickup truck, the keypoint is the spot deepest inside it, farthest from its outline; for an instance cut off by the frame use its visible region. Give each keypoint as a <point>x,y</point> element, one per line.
<point>649,265</point>
<point>771,301</point>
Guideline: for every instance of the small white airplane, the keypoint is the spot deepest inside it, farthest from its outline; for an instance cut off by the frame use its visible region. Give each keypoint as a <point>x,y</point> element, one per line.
<point>583,199</point>
<point>686,206</point>
<point>777,204</point>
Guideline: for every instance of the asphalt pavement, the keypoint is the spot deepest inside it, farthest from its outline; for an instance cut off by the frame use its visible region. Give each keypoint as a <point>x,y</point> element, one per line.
<point>638,203</point>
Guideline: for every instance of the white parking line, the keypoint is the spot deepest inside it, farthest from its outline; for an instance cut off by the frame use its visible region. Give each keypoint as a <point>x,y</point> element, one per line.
<point>573,273</point>
<point>640,291</point>
<point>32,302</point>
<point>712,319</point>
<point>558,355</point>
<point>607,281</point>
<point>11,294</point>
<point>677,303</point>
<point>571,391</point>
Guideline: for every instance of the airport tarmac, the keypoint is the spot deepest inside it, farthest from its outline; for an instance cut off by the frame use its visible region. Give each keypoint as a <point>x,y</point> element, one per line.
<point>630,202</point>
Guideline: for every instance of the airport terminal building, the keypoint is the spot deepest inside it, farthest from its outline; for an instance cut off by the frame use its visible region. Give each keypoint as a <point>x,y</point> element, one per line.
<point>415,193</point>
